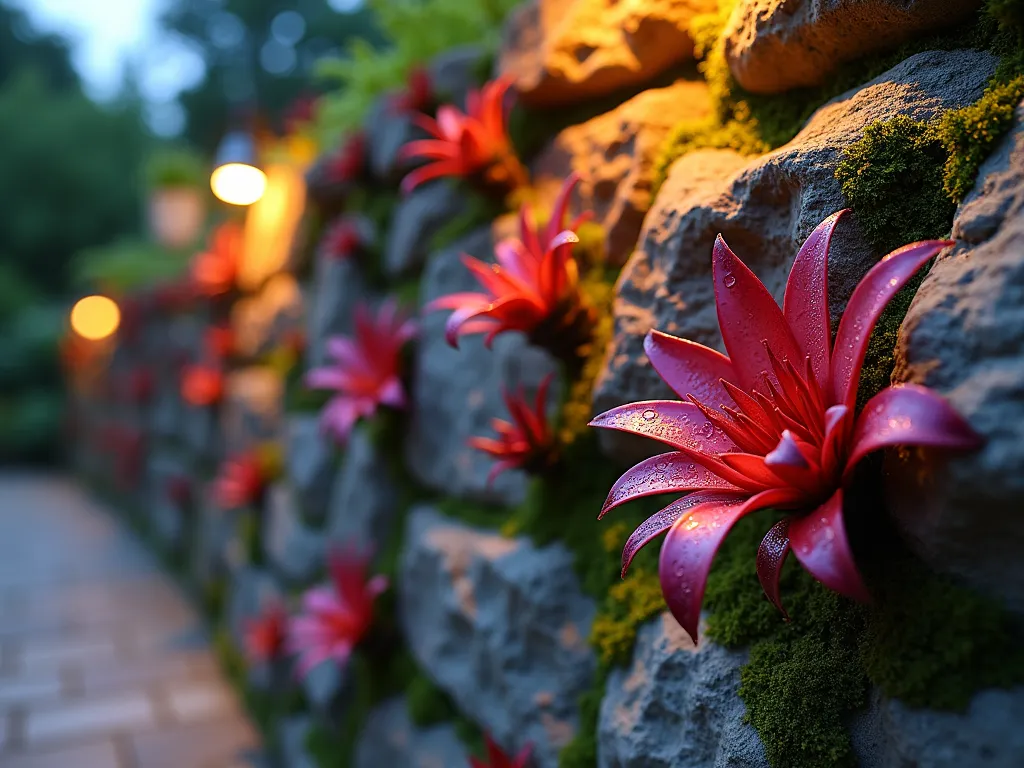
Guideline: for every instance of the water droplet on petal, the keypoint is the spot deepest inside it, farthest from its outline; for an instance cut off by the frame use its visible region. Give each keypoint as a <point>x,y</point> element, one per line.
<point>729,281</point>
<point>650,414</point>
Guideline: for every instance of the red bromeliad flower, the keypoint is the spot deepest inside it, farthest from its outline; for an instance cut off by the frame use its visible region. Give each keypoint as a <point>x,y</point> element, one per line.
<point>219,341</point>
<point>365,372</point>
<point>214,270</point>
<point>202,385</point>
<point>348,161</point>
<point>527,441</point>
<point>240,481</point>
<point>470,144</point>
<point>265,634</point>
<point>179,490</point>
<point>418,94</point>
<point>534,287</point>
<point>496,758</point>
<point>773,424</point>
<point>343,239</point>
<point>335,617</point>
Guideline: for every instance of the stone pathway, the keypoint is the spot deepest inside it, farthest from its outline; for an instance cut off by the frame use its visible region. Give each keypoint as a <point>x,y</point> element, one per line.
<point>103,662</point>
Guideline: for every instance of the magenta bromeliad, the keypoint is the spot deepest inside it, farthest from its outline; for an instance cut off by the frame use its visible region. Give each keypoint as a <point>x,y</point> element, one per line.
<point>773,424</point>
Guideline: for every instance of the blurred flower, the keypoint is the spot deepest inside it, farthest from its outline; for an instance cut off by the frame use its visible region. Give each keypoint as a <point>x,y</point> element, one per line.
<point>366,368</point>
<point>534,287</point>
<point>219,341</point>
<point>137,385</point>
<point>349,161</point>
<point>265,634</point>
<point>496,758</point>
<point>470,144</point>
<point>179,490</point>
<point>336,616</point>
<point>202,385</point>
<point>300,112</point>
<point>417,95</point>
<point>343,239</point>
<point>527,442</point>
<point>240,481</point>
<point>214,270</point>
<point>772,425</point>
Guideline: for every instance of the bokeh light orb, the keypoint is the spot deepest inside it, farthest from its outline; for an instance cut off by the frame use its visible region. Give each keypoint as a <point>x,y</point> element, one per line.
<point>95,317</point>
<point>238,183</point>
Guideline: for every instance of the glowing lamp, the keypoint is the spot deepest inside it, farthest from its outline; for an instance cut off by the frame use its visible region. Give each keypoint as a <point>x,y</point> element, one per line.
<point>95,317</point>
<point>235,178</point>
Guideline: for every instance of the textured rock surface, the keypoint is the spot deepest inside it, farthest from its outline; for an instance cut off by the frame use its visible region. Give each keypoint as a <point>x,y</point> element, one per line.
<point>765,208</point>
<point>455,71</point>
<point>614,154</point>
<point>309,457</point>
<point>775,45</point>
<point>501,626</point>
<point>448,409</point>
<point>416,219</point>
<point>251,412</point>
<point>386,132</point>
<point>390,739</point>
<point>364,497</point>
<point>336,289</point>
<point>563,52</point>
<point>166,516</point>
<point>291,736</point>
<point>676,705</point>
<point>252,589</point>
<point>964,337</point>
<point>218,551</point>
<point>295,551</point>
<point>261,321</point>
<point>987,735</point>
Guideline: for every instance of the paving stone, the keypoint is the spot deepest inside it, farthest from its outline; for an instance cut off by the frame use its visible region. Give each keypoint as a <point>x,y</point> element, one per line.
<point>29,689</point>
<point>200,745</point>
<point>92,717</point>
<point>193,702</point>
<point>99,755</point>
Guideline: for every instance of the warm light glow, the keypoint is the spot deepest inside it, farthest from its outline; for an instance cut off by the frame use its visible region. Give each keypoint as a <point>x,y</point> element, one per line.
<point>238,183</point>
<point>95,317</point>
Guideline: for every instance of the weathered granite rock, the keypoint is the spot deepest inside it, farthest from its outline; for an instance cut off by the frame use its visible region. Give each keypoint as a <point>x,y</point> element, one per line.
<point>614,154</point>
<point>166,516</point>
<point>200,433</point>
<point>293,549</point>
<point>775,45</point>
<point>386,132</point>
<point>416,219</point>
<point>389,738</point>
<point>455,71</point>
<point>676,705</point>
<point>291,737</point>
<point>765,208</point>
<point>251,411</point>
<point>459,391</point>
<point>337,287</point>
<point>309,458</point>
<point>567,52</point>
<point>364,497</point>
<point>325,687</point>
<point>987,735</point>
<point>219,551</point>
<point>261,321</point>
<point>500,625</point>
<point>964,338</point>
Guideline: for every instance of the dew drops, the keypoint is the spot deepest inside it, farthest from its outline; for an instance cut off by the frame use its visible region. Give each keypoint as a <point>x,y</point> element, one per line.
<point>729,280</point>
<point>707,430</point>
<point>830,535</point>
<point>650,414</point>
<point>692,524</point>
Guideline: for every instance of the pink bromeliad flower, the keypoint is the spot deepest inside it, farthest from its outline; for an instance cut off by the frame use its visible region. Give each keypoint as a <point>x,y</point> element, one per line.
<point>366,368</point>
<point>343,239</point>
<point>496,758</point>
<point>527,441</point>
<point>349,161</point>
<point>265,634</point>
<point>533,288</point>
<point>772,424</point>
<point>468,144</point>
<point>240,482</point>
<point>336,616</point>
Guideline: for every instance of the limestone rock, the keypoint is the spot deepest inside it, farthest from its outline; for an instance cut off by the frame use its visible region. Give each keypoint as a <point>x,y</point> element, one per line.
<point>964,338</point>
<point>416,219</point>
<point>364,497</point>
<point>500,625</point>
<point>775,45</point>
<point>676,705</point>
<point>765,208</point>
<point>261,321</point>
<point>567,52</point>
<point>309,457</point>
<point>337,287</point>
<point>458,392</point>
<point>614,154</point>
<point>389,738</point>
<point>987,735</point>
<point>252,409</point>
<point>295,551</point>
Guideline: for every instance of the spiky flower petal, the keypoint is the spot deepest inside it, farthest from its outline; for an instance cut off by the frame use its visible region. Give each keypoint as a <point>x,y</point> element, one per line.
<point>527,442</point>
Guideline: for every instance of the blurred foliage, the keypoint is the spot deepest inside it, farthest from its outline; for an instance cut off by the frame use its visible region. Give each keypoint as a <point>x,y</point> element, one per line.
<point>23,47</point>
<point>248,65</point>
<point>417,30</point>
<point>126,264</point>
<point>175,166</point>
